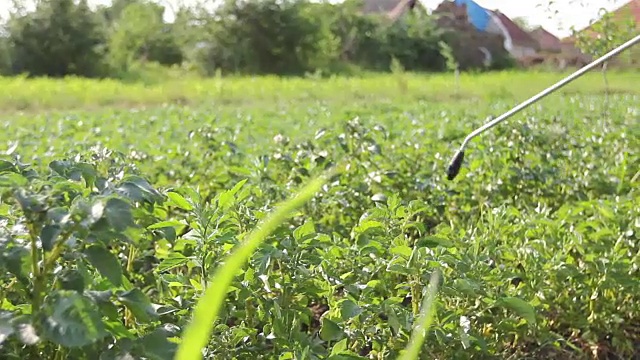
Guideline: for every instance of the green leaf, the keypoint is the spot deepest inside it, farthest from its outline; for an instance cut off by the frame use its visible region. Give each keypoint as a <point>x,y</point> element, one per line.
<point>11,180</point>
<point>99,296</point>
<point>163,224</point>
<point>138,189</point>
<point>340,351</point>
<point>118,214</point>
<point>398,269</point>
<point>139,304</point>
<point>606,212</point>
<point>105,262</point>
<point>330,331</point>
<point>6,325</point>
<point>58,215</point>
<point>464,286</point>
<point>91,212</point>
<point>434,241</point>
<point>402,250</point>
<point>239,171</point>
<point>179,201</point>
<point>116,354</point>
<point>173,261</point>
<point>71,279</point>
<point>372,284</point>
<point>304,230</point>
<point>29,202</point>
<point>227,198</point>
<point>49,235</point>
<point>156,345</point>
<point>520,307</point>
<point>346,355</point>
<point>117,329</point>
<point>168,233</point>
<point>18,263</point>
<point>349,309</point>
<point>71,320</point>
<point>366,225</point>
<point>88,172</point>
<point>7,166</point>
<point>60,167</point>
<point>340,346</point>
<point>130,191</point>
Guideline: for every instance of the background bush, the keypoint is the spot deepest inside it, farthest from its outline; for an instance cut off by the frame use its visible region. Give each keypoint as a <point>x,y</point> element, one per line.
<point>293,37</point>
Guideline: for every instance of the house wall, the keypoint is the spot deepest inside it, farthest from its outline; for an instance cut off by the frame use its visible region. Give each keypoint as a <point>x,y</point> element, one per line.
<point>495,26</point>
<point>468,43</point>
<point>522,51</point>
<point>547,41</point>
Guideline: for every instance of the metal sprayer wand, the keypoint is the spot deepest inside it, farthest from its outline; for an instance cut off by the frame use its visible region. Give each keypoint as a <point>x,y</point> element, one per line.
<point>456,161</point>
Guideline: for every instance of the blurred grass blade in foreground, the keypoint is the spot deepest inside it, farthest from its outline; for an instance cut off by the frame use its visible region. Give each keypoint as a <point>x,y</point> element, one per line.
<point>423,322</point>
<point>197,333</point>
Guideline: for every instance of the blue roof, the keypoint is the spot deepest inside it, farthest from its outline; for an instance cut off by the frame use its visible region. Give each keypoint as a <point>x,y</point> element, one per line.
<point>478,16</point>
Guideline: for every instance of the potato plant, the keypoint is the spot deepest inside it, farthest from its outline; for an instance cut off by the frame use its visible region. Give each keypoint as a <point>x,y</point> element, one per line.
<point>112,223</point>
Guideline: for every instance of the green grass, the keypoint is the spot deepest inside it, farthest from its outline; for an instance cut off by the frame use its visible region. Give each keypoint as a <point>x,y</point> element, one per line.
<point>536,241</point>
<point>20,94</point>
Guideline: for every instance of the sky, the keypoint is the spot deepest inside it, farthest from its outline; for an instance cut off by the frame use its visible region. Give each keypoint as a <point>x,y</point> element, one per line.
<point>557,18</point>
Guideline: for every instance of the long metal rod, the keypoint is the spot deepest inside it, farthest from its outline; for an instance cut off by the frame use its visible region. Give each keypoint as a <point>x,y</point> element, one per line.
<point>550,90</point>
<point>458,158</point>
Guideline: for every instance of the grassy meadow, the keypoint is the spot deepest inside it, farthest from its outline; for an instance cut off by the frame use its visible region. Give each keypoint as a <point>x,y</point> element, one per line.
<point>119,201</point>
<point>22,94</point>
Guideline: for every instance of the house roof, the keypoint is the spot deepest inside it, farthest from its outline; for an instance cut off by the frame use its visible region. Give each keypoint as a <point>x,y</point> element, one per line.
<point>485,20</point>
<point>393,9</point>
<point>546,40</point>
<point>477,15</point>
<point>379,6</point>
<point>634,6</point>
<point>518,36</point>
<point>628,11</point>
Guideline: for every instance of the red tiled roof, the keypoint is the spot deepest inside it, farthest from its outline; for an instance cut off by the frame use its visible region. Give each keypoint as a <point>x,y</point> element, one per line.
<point>400,8</point>
<point>628,11</point>
<point>377,6</point>
<point>518,36</point>
<point>546,40</point>
<point>393,9</point>
<point>387,6</point>
<point>631,8</point>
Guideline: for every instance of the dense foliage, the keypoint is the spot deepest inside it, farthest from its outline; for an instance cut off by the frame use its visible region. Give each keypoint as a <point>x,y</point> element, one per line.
<point>112,221</point>
<point>291,37</point>
<point>58,39</point>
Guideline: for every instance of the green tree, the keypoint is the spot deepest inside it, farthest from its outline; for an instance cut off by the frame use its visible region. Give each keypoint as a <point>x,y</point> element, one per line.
<point>59,38</point>
<point>523,23</point>
<point>5,56</point>
<point>268,37</point>
<point>414,41</point>
<point>373,41</point>
<point>112,12</point>
<point>140,33</point>
<point>605,32</point>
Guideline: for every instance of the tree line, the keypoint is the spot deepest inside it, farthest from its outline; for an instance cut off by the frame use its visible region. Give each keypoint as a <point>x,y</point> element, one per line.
<point>284,37</point>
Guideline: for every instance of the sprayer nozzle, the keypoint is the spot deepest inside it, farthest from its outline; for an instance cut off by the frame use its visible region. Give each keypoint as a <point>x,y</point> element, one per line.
<point>454,166</point>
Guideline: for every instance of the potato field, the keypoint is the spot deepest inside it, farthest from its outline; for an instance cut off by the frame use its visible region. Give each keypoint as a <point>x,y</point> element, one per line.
<point>176,220</point>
